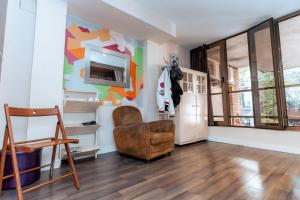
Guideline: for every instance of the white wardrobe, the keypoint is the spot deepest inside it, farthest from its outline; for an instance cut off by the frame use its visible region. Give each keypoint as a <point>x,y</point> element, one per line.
<point>191,114</point>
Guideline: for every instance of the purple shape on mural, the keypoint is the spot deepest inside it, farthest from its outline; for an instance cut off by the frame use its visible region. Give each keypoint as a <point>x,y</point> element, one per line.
<point>83,29</point>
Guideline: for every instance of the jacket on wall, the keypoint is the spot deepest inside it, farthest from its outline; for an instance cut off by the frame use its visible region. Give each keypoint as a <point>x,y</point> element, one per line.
<point>164,94</point>
<point>176,75</point>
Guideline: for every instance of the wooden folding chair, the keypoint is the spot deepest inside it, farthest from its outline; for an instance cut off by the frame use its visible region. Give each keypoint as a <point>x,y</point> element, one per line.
<point>32,145</point>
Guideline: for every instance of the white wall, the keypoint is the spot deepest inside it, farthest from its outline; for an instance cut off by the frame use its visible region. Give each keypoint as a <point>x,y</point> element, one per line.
<point>16,65</point>
<point>47,68</point>
<point>277,140</point>
<point>3,6</point>
<point>175,49</point>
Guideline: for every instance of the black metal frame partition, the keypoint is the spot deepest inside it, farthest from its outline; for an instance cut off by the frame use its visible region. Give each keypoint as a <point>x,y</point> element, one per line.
<point>280,67</point>
<point>278,76</point>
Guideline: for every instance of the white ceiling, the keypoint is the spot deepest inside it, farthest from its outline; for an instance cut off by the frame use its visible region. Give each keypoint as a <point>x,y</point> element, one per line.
<point>204,21</point>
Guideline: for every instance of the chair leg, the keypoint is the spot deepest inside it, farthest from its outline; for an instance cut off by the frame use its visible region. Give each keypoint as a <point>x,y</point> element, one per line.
<point>2,162</point>
<point>52,162</point>
<point>16,172</point>
<point>71,164</point>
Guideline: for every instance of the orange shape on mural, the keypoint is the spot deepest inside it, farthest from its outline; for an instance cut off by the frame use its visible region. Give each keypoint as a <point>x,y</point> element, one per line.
<point>82,72</point>
<point>120,91</point>
<point>104,35</point>
<point>73,44</point>
<point>113,99</point>
<point>78,53</point>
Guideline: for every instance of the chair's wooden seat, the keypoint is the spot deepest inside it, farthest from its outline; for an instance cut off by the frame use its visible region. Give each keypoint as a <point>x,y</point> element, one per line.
<point>32,147</point>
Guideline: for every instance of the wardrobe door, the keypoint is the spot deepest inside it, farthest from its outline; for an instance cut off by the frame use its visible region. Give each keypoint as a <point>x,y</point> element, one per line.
<point>201,118</point>
<point>188,117</point>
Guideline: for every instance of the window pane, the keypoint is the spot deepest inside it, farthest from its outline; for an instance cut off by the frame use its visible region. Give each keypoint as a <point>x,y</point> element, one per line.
<point>264,58</point>
<point>290,50</point>
<point>292,95</point>
<point>238,63</point>
<point>291,75</point>
<point>218,119</point>
<point>184,87</point>
<point>242,121</point>
<point>217,104</point>
<point>214,61</point>
<point>268,104</point>
<point>294,122</point>
<point>269,121</point>
<point>241,104</point>
<point>184,76</point>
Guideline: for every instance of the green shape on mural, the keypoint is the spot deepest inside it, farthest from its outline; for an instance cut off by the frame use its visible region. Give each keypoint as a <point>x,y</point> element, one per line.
<point>138,58</point>
<point>102,91</point>
<point>118,96</point>
<point>68,68</point>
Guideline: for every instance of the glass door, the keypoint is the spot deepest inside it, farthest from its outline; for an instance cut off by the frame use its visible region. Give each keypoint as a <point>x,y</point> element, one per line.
<point>217,74</point>
<point>263,73</point>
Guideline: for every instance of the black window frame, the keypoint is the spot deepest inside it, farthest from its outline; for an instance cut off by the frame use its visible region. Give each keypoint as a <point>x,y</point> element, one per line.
<point>278,77</point>
<point>280,68</point>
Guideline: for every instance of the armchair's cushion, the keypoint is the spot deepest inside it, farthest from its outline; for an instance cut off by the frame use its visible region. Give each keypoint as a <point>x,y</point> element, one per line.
<point>162,137</point>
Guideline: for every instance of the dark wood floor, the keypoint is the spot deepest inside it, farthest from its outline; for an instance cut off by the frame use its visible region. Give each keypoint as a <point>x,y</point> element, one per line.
<point>198,171</point>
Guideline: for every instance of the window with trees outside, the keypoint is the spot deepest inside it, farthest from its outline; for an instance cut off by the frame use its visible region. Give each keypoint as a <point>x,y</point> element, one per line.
<point>239,81</point>
<point>289,37</point>
<point>255,76</point>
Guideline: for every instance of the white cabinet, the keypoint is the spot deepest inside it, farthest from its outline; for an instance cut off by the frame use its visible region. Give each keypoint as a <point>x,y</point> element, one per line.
<point>191,113</point>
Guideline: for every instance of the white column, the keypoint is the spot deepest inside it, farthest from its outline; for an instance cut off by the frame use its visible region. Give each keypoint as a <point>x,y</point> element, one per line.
<point>152,71</point>
<point>17,36</point>
<point>47,68</point>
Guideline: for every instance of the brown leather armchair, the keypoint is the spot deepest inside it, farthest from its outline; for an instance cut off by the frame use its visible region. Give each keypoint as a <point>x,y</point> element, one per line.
<point>142,140</point>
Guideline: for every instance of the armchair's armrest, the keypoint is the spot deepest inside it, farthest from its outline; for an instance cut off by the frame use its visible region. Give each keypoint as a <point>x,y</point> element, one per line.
<point>162,126</point>
<point>133,139</point>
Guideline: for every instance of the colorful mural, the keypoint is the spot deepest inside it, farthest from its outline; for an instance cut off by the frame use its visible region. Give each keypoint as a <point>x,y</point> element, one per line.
<point>80,33</point>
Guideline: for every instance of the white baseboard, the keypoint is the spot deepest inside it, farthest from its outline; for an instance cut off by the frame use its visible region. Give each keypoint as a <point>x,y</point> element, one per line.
<point>282,148</point>
<point>107,150</point>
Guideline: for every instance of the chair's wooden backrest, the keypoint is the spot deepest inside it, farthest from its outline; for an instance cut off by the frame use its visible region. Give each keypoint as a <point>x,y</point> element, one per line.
<point>30,112</point>
<point>33,112</point>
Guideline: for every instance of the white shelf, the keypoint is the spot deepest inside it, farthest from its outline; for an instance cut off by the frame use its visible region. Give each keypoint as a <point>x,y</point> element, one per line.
<point>79,129</point>
<point>80,106</point>
<point>77,109</point>
<point>81,152</point>
<point>78,94</point>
